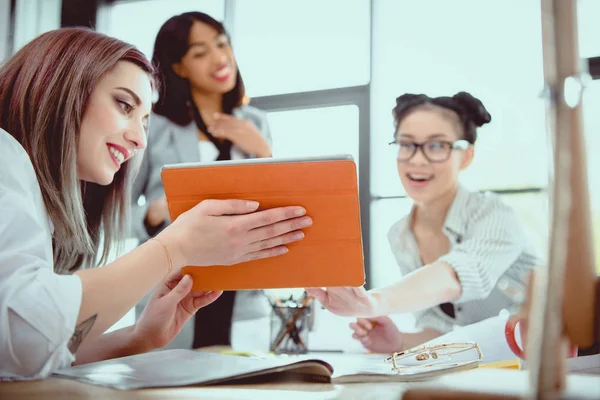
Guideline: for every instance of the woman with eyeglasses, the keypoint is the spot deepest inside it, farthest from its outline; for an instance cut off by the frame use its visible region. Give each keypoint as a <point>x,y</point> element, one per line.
<point>453,248</point>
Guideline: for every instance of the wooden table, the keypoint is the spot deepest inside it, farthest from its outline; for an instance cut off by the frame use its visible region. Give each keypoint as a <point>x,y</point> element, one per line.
<point>505,383</point>
<point>66,389</point>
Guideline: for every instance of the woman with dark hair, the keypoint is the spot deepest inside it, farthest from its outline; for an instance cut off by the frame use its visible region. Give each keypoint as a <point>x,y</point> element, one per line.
<point>463,254</point>
<point>74,110</point>
<point>199,116</point>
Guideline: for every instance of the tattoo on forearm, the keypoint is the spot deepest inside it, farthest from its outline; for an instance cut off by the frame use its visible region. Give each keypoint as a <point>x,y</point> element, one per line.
<point>81,332</point>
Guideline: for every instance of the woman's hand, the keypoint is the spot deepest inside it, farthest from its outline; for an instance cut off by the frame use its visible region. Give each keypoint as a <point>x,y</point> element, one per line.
<point>348,301</point>
<point>214,233</point>
<point>241,132</point>
<point>172,304</point>
<point>158,212</point>
<point>378,335</point>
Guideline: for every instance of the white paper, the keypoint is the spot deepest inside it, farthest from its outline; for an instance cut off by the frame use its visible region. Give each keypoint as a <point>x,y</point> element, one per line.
<point>489,336</point>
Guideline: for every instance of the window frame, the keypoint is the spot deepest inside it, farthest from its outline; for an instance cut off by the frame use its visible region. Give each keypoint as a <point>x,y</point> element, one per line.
<point>359,96</point>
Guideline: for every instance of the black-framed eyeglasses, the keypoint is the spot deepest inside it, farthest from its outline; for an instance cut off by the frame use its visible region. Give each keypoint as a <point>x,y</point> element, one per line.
<point>434,150</point>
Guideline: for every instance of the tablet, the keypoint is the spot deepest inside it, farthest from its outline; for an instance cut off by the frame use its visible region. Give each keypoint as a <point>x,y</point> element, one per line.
<point>331,253</point>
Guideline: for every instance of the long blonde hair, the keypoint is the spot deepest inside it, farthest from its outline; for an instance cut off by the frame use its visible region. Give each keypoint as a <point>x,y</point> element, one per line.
<point>44,90</point>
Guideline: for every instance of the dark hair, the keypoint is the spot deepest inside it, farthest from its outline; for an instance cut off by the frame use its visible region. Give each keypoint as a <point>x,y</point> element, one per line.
<point>172,42</point>
<point>470,110</point>
<point>44,91</point>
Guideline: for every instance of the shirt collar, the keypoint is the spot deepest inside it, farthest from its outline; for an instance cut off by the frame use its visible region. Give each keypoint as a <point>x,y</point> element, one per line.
<point>455,223</point>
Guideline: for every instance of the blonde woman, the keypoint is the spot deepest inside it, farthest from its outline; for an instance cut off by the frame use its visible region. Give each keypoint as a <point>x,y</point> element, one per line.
<point>74,110</point>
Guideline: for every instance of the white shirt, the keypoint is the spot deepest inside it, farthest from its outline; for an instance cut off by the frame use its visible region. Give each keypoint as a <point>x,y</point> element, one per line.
<point>38,308</point>
<point>488,250</point>
<point>209,152</point>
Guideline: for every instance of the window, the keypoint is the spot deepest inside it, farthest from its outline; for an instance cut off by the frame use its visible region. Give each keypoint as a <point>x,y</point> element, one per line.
<point>591,124</point>
<point>466,46</point>
<point>285,47</point>
<point>533,211</point>
<point>462,46</point>
<point>314,132</point>
<point>589,46</point>
<point>588,27</point>
<point>31,19</point>
<point>138,22</point>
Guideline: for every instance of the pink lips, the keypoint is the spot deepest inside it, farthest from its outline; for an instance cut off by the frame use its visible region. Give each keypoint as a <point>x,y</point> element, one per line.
<point>123,150</point>
<point>222,78</point>
<point>418,184</point>
<point>112,157</point>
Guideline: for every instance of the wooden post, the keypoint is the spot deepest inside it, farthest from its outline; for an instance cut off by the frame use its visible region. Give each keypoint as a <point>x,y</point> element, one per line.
<point>563,301</point>
<point>562,298</point>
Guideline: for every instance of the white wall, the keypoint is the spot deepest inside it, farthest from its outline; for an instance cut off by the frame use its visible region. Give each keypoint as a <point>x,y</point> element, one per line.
<point>34,17</point>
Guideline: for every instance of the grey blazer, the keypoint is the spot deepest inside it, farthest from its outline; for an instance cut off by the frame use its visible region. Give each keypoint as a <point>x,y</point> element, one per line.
<point>169,143</point>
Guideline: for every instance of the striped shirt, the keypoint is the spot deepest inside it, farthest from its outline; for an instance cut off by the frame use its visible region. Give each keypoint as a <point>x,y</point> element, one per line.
<point>488,250</point>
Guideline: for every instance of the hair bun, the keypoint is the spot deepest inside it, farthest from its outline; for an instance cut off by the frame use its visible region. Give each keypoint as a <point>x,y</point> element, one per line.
<point>408,100</point>
<point>474,108</point>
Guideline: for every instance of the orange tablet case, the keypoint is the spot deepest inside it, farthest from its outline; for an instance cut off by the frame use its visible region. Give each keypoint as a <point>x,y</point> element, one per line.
<point>330,253</point>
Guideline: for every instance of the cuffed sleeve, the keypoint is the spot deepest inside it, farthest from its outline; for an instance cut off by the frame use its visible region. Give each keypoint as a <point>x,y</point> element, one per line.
<point>41,318</point>
<point>495,242</point>
<point>38,308</point>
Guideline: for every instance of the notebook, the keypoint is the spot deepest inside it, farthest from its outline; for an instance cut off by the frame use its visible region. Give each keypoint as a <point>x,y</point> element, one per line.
<point>331,252</point>
<point>179,367</point>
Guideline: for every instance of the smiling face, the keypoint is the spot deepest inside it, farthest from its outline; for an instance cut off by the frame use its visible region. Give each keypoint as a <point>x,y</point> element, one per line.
<point>423,180</point>
<point>114,124</point>
<point>209,64</point>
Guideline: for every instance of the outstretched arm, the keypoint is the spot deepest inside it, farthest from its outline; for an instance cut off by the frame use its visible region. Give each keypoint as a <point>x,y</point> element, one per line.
<point>423,288</point>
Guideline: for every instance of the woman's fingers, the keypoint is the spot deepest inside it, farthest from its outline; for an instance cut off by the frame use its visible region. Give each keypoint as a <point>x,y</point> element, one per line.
<point>359,331</point>
<point>227,207</point>
<point>278,229</point>
<point>365,324</point>
<point>360,292</point>
<point>278,241</point>
<point>257,255</point>
<point>180,291</point>
<point>269,217</point>
<point>318,293</point>
<point>205,299</point>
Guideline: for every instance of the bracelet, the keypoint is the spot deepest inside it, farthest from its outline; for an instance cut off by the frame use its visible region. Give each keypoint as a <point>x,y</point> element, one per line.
<point>168,257</point>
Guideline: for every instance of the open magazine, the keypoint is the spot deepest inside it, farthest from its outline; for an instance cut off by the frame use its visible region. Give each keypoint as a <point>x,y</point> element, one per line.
<point>179,367</point>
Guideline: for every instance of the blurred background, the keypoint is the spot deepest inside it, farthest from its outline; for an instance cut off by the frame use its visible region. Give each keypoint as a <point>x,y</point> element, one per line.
<point>327,72</point>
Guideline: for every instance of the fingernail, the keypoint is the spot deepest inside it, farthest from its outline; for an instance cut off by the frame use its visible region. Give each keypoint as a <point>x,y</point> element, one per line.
<point>283,250</point>
<point>252,205</point>
<point>300,211</point>
<point>186,279</point>
<point>306,221</point>
<point>297,236</point>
